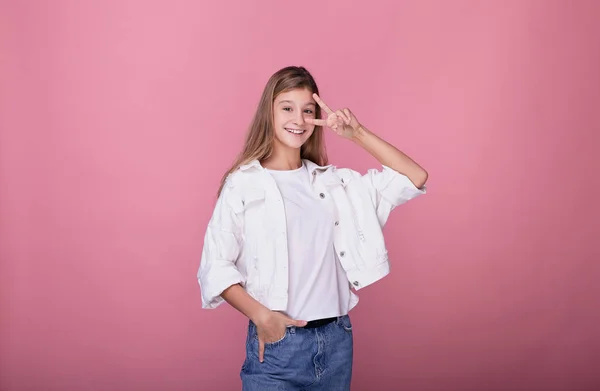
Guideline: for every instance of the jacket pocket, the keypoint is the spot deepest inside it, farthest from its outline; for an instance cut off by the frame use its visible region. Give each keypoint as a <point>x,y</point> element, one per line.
<point>253,197</point>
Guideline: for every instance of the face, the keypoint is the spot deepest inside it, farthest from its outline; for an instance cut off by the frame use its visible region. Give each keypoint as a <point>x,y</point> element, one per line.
<point>289,111</point>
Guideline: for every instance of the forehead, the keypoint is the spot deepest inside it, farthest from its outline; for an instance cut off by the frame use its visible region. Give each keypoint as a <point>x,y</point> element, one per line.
<point>300,96</point>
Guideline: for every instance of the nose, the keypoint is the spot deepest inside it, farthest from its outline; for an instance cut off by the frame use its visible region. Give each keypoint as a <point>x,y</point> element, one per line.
<point>300,118</point>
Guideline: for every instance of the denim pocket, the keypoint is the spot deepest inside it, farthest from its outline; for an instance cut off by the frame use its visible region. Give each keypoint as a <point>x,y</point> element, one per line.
<point>253,335</point>
<point>279,341</point>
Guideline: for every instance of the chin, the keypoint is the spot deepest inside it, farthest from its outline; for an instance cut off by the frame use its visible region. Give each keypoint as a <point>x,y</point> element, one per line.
<point>295,145</point>
<point>294,142</point>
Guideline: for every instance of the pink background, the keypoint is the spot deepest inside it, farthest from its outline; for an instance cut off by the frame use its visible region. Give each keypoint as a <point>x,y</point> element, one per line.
<point>118,118</point>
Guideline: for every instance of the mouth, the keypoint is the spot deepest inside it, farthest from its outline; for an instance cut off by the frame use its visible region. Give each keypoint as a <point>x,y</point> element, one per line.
<point>297,132</point>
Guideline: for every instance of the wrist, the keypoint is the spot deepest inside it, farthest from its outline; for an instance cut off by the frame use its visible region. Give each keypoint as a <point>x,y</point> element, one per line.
<point>260,314</point>
<point>359,134</point>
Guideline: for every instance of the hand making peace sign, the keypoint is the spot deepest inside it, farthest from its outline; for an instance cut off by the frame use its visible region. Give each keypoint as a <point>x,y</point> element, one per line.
<point>343,122</point>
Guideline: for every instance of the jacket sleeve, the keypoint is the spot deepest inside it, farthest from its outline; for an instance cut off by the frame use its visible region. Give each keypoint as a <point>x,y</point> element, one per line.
<point>388,189</point>
<point>222,246</point>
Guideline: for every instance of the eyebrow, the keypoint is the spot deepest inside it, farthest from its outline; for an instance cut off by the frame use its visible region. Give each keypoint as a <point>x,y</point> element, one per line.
<point>289,101</point>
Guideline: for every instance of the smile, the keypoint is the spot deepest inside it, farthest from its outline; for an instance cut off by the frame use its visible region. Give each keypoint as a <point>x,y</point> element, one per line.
<point>295,131</point>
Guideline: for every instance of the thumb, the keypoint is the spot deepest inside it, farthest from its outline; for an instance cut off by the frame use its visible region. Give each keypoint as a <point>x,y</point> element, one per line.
<point>300,323</point>
<point>297,323</point>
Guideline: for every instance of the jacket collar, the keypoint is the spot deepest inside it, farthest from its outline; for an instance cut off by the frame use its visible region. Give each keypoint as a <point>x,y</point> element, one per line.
<point>252,164</point>
<point>315,167</point>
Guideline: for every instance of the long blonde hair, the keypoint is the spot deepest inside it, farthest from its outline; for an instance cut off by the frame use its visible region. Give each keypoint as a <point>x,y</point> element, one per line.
<point>260,136</point>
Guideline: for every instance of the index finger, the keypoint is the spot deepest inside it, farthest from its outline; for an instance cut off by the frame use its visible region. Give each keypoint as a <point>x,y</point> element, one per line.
<point>322,104</point>
<point>315,121</point>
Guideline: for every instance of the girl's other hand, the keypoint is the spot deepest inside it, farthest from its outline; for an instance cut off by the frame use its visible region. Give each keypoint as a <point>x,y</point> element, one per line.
<point>271,327</point>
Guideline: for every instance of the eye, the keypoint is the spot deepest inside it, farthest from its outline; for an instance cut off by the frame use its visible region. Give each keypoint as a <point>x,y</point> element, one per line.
<point>287,109</point>
<point>308,111</point>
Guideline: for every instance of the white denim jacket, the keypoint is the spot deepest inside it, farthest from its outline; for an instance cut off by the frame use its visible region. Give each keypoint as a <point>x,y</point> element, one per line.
<point>246,240</point>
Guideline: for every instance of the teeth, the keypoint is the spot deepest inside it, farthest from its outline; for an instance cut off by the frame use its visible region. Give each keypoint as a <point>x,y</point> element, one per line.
<point>295,131</point>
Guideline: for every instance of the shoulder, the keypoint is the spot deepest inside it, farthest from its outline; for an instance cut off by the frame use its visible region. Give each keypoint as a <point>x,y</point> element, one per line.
<point>347,175</point>
<point>241,186</point>
<point>370,172</point>
<point>371,177</point>
<point>332,171</point>
<point>242,179</point>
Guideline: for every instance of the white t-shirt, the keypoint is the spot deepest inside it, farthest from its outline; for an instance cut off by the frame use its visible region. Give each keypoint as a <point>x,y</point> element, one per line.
<point>318,287</point>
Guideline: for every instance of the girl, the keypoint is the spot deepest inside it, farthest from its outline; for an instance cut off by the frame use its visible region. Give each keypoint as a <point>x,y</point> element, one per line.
<point>291,235</point>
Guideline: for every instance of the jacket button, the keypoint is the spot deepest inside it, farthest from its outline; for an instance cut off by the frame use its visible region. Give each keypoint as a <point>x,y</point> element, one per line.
<point>314,173</point>
<point>355,283</point>
<point>342,253</point>
<point>337,223</point>
<point>322,195</point>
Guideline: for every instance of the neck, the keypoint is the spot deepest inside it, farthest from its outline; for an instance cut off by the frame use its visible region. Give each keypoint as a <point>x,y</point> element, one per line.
<point>284,159</point>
